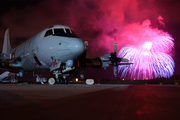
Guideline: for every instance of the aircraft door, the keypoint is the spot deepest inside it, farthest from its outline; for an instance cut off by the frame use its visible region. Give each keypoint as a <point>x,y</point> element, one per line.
<point>35,56</point>
<point>28,56</point>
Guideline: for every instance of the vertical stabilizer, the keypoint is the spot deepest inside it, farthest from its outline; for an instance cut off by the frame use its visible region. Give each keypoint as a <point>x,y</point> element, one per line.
<point>6,44</point>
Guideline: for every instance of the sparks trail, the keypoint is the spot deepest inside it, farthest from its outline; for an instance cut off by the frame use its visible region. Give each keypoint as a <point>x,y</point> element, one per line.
<point>151,52</point>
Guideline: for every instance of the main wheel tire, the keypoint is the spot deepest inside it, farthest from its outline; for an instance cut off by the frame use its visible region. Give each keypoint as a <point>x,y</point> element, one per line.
<point>57,80</point>
<point>60,80</point>
<point>13,80</point>
<point>51,81</point>
<point>66,81</point>
<point>63,80</point>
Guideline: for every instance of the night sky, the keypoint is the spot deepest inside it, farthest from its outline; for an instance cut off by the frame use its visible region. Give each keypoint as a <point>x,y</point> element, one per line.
<point>100,22</point>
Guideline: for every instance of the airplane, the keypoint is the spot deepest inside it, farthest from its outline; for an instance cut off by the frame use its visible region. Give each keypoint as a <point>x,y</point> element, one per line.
<point>58,49</point>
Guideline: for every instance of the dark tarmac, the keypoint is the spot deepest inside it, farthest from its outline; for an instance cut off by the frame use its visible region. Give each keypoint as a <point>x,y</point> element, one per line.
<point>84,102</point>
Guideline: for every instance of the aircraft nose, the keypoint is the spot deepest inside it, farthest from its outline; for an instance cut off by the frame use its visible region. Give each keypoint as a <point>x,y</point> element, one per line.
<point>77,47</point>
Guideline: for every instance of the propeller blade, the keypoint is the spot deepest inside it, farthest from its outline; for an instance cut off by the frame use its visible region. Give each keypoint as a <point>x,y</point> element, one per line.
<point>86,45</point>
<point>83,60</point>
<point>82,73</point>
<point>115,71</point>
<point>124,60</point>
<point>121,64</point>
<point>115,47</point>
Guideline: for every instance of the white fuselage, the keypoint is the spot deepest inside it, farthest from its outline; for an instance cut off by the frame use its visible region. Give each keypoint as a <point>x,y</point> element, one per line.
<point>40,51</point>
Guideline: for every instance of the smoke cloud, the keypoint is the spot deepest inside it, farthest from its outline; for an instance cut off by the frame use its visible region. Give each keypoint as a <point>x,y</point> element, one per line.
<point>100,22</point>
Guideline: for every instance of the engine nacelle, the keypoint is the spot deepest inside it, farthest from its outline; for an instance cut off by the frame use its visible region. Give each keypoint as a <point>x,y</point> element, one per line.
<point>102,61</point>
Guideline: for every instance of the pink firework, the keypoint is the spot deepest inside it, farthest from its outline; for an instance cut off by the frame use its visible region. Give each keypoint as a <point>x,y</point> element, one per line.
<point>150,51</point>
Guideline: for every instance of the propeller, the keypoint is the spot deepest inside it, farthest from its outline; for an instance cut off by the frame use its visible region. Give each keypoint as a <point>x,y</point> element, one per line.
<point>83,60</point>
<point>97,62</point>
<point>114,59</point>
<point>86,45</point>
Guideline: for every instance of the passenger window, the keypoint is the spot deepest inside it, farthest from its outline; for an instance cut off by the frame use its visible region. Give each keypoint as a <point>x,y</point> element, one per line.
<point>58,31</point>
<point>49,32</point>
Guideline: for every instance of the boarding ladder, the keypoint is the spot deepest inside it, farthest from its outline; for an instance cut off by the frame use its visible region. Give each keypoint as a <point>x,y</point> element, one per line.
<point>4,75</point>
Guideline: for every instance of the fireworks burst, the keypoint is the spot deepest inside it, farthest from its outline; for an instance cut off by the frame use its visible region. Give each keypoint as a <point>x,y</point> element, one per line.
<point>150,51</point>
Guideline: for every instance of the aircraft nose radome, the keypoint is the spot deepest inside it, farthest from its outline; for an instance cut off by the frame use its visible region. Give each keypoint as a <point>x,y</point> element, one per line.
<point>77,47</point>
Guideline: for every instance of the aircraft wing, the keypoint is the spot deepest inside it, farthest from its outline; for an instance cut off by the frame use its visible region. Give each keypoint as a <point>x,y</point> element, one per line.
<point>105,61</point>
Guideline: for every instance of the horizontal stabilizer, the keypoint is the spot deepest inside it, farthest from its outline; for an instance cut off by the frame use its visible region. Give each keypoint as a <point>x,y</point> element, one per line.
<point>5,56</point>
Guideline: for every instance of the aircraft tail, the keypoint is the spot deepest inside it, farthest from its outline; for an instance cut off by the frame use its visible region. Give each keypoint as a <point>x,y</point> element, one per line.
<point>6,44</point>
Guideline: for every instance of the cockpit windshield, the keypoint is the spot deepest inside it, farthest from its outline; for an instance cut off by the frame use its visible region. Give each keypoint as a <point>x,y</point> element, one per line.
<point>59,31</point>
<point>66,32</point>
<point>73,32</point>
<point>48,32</point>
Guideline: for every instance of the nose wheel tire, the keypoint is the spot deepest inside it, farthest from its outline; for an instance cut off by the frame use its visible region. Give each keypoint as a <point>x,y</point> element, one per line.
<point>51,81</point>
<point>66,81</point>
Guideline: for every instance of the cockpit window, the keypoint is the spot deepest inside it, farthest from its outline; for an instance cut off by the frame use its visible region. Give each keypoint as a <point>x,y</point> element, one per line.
<point>59,31</point>
<point>68,31</point>
<point>48,32</point>
<point>73,32</point>
<point>65,32</point>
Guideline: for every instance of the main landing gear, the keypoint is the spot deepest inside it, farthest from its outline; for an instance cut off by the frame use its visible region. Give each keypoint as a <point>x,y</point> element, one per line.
<point>57,79</point>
